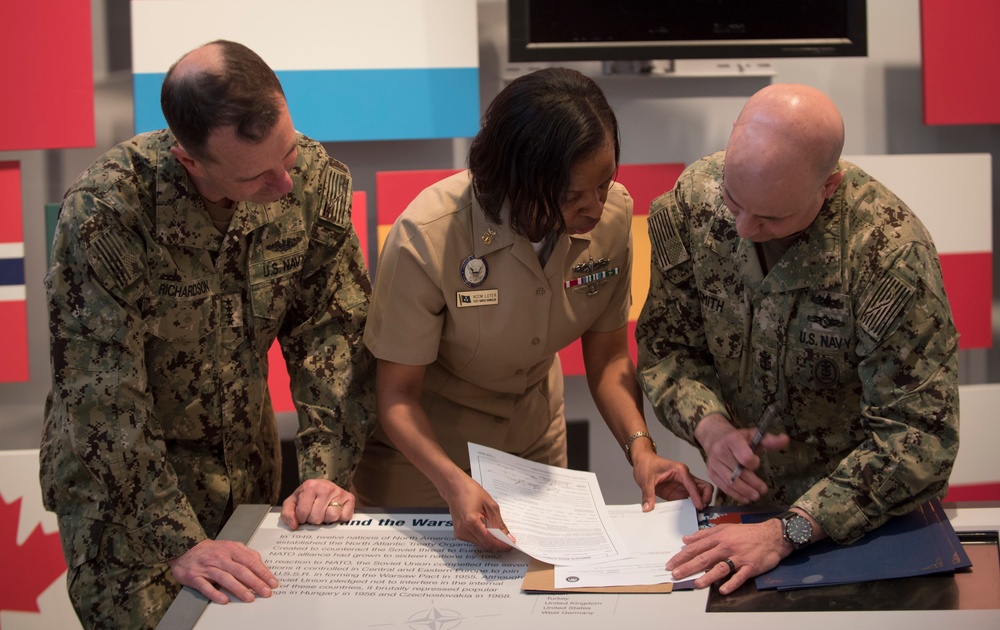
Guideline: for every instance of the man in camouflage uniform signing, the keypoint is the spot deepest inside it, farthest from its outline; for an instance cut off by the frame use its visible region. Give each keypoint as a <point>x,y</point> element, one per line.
<point>179,257</point>
<point>784,277</point>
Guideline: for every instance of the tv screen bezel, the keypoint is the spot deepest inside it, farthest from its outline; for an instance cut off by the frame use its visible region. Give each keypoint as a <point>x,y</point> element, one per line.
<point>520,49</point>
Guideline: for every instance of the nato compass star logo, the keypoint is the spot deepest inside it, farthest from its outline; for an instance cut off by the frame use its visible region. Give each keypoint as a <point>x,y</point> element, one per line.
<point>435,619</point>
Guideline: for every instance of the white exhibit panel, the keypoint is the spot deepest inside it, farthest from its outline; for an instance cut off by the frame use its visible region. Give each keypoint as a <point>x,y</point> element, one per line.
<point>951,193</point>
<point>979,436</point>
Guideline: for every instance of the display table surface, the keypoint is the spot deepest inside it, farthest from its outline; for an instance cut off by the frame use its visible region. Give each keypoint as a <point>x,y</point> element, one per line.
<point>388,590</point>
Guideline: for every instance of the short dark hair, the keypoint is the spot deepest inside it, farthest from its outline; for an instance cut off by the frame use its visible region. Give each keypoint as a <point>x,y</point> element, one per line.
<point>533,133</point>
<point>245,94</point>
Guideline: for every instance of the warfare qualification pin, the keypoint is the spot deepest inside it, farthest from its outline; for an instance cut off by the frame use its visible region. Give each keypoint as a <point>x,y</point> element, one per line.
<point>591,265</point>
<point>474,271</point>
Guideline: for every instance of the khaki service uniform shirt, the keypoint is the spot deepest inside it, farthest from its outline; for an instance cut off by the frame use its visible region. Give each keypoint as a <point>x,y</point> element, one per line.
<point>493,375</point>
<point>850,333</point>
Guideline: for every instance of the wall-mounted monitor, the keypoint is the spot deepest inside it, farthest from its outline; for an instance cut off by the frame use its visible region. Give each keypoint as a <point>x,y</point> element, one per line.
<point>571,30</point>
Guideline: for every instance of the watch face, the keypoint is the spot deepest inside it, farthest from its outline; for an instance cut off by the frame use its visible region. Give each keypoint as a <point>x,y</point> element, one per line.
<point>797,529</point>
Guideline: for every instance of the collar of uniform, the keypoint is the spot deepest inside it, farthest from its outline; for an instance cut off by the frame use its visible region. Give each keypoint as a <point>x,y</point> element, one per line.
<point>520,247</point>
<point>505,236</point>
<point>721,236</point>
<point>706,180</point>
<point>181,218</point>
<point>814,260</point>
<point>249,216</point>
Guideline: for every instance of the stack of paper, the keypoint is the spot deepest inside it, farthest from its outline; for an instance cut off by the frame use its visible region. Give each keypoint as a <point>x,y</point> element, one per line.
<point>559,518</point>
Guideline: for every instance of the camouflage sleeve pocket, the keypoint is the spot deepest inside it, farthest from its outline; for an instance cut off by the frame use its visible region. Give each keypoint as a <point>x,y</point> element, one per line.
<point>80,307</point>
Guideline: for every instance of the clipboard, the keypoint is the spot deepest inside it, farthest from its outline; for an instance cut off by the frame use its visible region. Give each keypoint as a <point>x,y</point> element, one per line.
<point>540,578</point>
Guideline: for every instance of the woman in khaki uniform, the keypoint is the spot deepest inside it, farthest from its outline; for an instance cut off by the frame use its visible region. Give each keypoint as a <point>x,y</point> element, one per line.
<point>482,280</point>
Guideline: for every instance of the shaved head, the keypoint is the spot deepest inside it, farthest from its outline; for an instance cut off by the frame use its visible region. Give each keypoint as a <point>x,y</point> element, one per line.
<point>781,160</point>
<point>787,129</point>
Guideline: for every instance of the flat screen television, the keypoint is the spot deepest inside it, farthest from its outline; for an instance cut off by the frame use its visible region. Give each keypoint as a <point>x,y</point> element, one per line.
<point>616,30</point>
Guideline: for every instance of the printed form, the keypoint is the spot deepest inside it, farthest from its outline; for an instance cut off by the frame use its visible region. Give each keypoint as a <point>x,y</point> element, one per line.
<point>654,537</point>
<point>559,516</point>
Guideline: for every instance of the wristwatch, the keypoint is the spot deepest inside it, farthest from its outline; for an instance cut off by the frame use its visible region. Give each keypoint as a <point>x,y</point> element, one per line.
<point>795,528</point>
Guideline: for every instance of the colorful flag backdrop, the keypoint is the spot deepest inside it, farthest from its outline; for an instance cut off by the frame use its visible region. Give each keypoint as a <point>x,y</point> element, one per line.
<point>952,196</point>
<point>13,310</point>
<point>372,70</point>
<point>33,596</point>
<point>961,61</point>
<point>46,76</point>
<point>395,189</point>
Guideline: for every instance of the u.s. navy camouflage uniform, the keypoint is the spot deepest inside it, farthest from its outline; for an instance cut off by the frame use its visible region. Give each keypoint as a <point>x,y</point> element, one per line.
<point>159,421</point>
<point>850,334</point>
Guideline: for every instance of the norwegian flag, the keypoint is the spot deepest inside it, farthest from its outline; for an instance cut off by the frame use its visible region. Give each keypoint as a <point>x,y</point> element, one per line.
<point>13,310</point>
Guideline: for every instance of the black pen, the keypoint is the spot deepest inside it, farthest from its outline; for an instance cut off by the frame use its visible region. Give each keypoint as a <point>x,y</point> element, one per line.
<point>765,421</point>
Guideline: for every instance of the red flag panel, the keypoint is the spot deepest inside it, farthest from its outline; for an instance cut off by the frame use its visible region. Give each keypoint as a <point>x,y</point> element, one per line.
<point>47,64</point>
<point>968,280</point>
<point>646,182</point>
<point>961,61</point>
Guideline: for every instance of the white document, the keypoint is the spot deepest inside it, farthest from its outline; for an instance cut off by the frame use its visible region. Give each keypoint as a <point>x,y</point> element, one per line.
<point>653,538</point>
<point>557,515</point>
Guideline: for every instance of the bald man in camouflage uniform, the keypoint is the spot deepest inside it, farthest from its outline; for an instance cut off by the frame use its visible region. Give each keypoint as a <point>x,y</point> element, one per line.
<point>785,276</point>
<point>176,264</point>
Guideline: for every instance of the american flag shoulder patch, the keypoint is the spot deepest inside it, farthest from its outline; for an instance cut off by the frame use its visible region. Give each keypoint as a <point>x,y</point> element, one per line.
<point>884,302</point>
<point>335,191</point>
<point>112,253</point>
<point>668,249</point>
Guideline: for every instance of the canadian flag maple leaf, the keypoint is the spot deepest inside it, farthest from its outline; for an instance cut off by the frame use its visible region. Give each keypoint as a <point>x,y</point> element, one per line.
<point>29,568</point>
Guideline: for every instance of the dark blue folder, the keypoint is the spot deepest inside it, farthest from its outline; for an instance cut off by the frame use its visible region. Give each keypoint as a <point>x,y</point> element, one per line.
<point>922,542</point>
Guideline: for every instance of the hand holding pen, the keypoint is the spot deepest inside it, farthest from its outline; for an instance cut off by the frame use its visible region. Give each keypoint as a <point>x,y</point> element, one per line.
<point>766,419</point>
